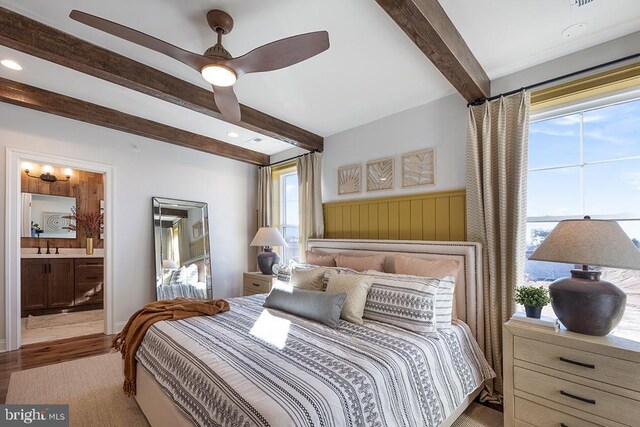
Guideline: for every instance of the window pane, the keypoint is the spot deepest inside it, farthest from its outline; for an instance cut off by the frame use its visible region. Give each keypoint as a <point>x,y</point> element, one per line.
<point>291,212</point>
<point>554,192</point>
<point>290,235</point>
<point>612,132</point>
<point>554,142</point>
<point>291,187</point>
<point>539,271</point>
<point>613,188</point>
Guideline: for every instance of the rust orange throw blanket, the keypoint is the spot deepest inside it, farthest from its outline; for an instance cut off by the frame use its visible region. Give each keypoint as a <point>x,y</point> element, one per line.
<point>134,331</point>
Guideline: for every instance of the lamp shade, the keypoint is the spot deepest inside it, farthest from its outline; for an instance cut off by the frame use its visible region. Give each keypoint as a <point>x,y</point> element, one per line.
<point>268,236</point>
<point>589,242</point>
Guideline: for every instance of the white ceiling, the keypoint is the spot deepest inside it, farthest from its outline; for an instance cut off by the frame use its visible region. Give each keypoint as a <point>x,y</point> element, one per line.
<point>511,35</point>
<point>372,69</point>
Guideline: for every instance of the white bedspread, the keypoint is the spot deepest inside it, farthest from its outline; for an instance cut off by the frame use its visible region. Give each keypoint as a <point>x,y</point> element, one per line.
<point>253,367</point>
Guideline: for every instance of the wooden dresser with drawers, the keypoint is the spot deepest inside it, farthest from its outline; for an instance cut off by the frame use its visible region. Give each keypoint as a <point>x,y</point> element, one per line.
<point>564,379</point>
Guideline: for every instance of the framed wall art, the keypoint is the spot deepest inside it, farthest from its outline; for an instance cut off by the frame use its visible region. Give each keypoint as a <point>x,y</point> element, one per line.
<point>350,179</point>
<point>380,174</point>
<point>419,168</point>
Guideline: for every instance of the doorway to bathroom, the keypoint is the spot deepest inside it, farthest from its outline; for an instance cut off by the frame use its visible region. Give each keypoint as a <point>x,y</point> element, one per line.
<point>57,249</point>
<point>61,253</point>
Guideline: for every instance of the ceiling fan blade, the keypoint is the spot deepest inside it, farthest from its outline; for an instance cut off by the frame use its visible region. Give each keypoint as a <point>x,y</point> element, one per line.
<point>281,53</point>
<point>227,102</point>
<point>193,60</point>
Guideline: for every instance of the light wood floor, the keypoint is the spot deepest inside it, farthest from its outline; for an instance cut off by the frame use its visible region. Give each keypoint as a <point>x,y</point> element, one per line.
<point>48,353</point>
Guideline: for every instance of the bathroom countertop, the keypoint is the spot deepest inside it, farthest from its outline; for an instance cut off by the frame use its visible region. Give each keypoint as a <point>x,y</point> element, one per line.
<point>64,253</point>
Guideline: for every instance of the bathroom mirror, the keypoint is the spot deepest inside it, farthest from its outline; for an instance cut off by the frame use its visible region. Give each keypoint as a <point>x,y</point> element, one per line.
<point>181,237</point>
<point>43,216</point>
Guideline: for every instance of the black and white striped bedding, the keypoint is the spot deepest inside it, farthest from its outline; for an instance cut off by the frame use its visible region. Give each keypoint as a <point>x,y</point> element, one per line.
<point>221,370</point>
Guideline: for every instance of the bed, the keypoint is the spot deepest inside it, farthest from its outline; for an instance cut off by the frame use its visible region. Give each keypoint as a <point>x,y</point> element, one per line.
<point>252,366</point>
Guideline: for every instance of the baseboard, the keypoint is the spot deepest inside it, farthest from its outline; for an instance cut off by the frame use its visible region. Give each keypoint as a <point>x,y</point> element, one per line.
<point>3,346</point>
<point>119,326</point>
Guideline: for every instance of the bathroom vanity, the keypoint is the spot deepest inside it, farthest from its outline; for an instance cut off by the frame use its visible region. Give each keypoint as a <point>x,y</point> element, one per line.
<point>55,283</point>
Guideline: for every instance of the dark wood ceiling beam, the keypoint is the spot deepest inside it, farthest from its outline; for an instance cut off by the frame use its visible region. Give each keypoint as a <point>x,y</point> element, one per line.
<point>53,103</point>
<point>34,38</point>
<point>426,23</point>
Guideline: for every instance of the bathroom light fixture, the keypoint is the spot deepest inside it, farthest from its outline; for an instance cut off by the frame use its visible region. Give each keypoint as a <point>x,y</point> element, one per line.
<point>233,134</point>
<point>47,174</point>
<point>12,65</point>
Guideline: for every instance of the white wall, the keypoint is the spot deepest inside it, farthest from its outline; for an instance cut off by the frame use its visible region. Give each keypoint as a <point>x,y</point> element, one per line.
<point>440,124</point>
<point>159,169</point>
<point>615,49</point>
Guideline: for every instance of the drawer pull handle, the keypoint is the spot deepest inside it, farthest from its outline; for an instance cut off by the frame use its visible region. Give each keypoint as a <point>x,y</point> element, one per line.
<point>573,362</point>
<point>581,399</point>
<point>563,425</point>
<point>256,284</point>
<point>92,278</point>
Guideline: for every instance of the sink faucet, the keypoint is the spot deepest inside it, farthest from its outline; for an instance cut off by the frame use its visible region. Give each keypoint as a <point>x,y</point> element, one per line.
<point>48,250</point>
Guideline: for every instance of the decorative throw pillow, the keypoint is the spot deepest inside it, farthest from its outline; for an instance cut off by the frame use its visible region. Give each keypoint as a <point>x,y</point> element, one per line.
<point>356,287</point>
<point>314,305</point>
<point>178,276</point>
<point>337,270</point>
<point>320,259</point>
<point>404,301</point>
<point>307,279</point>
<point>373,262</point>
<point>440,269</point>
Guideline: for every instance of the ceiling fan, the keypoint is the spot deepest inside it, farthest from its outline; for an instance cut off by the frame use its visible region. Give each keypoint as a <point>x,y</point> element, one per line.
<point>216,65</point>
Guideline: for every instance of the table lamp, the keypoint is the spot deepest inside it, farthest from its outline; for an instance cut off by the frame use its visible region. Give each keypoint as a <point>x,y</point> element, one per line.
<point>268,237</point>
<point>582,302</point>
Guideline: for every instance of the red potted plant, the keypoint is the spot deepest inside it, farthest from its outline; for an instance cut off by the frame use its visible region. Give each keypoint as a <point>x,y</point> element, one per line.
<point>90,223</point>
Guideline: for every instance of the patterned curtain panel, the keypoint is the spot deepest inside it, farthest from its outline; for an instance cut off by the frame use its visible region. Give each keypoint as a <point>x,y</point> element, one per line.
<point>264,196</point>
<point>309,199</point>
<point>497,149</point>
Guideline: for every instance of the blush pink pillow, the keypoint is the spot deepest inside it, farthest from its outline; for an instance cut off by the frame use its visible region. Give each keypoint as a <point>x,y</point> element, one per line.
<point>321,260</point>
<point>373,262</point>
<point>436,268</point>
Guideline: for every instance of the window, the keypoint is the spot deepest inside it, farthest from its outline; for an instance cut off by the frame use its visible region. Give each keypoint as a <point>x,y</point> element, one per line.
<point>289,217</point>
<point>284,208</point>
<point>586,162</point>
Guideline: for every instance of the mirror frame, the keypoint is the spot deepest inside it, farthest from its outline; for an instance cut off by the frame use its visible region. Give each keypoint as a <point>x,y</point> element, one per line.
<point>158,202</point>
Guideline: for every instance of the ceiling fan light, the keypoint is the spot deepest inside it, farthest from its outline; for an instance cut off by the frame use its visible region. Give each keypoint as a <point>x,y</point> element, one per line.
<point>219,75</point>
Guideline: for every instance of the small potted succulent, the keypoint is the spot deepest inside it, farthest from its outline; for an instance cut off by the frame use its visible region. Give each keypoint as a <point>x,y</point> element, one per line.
<point>533,298</point>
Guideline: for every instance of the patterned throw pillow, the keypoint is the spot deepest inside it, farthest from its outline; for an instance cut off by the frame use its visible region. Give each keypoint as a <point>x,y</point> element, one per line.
<point>405,301</point>
<point>185,275</point>
<point>446,269</point>
<point>356,287</point>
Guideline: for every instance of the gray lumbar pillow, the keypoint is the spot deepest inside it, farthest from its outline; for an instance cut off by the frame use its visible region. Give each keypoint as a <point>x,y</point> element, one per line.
<point>315,305</point>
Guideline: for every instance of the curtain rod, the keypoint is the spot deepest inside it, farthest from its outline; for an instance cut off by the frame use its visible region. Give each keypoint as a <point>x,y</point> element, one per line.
<point>481,101</point>
<point>290,159</point>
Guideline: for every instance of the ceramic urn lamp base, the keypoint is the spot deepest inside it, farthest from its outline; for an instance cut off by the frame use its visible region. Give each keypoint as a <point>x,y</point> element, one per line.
<point>266,261</point>
<point>587,305</point>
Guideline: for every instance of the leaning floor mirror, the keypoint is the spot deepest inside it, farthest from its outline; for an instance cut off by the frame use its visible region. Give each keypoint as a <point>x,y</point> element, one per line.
<point>181,236</point>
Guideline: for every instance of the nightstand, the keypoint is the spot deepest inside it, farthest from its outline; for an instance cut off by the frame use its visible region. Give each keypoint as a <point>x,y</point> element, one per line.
<point>568,379</point>
<point>256,283</point>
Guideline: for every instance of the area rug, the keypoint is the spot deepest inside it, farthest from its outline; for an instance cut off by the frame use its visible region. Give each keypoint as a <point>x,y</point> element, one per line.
<point>478,415</point>
<point>93,389</point>
<point>49,320</point>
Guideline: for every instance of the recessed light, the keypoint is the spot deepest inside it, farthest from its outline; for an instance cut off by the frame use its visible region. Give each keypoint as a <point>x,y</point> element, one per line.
<point>574,30</point>
<point>12,65</point>
<point>233,134</point>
